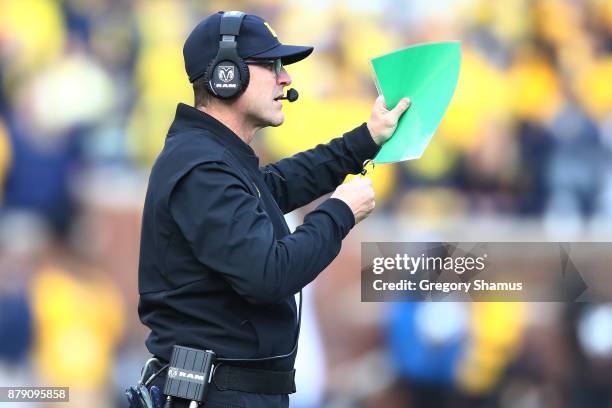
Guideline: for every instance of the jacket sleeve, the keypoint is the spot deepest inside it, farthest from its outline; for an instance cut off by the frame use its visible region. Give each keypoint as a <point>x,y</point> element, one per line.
<point>300,179</point>
<point>230,233</point>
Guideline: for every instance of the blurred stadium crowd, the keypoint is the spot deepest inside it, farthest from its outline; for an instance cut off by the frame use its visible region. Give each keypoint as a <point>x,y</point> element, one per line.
<point>88,89</point>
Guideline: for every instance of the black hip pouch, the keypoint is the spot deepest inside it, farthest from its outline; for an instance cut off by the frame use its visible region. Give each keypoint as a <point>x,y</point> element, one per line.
<point>189,374</point>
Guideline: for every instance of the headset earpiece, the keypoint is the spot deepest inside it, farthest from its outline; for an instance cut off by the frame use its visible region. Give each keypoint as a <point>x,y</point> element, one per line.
<point>226,79</point>
<point>227,76</point>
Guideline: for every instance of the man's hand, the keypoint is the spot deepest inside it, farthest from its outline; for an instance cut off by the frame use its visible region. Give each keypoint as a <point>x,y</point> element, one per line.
<point>358,194</point>
<point>382,122</point>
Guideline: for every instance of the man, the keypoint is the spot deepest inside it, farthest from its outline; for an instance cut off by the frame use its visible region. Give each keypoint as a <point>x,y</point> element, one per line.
<point>219,267</point>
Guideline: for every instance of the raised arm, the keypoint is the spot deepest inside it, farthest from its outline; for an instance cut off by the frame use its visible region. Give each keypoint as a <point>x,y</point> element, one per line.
<point>230,234</point>
<point>302,178</point>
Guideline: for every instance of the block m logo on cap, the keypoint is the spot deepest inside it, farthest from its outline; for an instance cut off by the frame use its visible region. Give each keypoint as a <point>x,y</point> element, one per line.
<point>270,28</point>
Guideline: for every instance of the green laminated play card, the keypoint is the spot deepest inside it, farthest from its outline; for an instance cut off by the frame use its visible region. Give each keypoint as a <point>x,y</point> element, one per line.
<point>427,74</point>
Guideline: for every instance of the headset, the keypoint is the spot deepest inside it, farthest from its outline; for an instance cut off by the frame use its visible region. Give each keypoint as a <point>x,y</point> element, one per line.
<point>227,75</point>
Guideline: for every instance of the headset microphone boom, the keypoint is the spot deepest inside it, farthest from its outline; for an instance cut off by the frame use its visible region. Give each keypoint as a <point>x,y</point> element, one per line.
<point>292,95</point>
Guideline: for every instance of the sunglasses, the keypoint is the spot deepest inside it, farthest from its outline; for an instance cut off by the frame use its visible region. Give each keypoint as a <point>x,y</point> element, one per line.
<point>276,64</point>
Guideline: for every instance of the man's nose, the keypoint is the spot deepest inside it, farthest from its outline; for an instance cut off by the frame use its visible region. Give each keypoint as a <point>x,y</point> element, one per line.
<point>284,78</point>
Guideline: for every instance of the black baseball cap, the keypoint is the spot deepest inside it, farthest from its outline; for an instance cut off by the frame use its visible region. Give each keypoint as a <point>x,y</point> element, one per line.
<point>256,40</point>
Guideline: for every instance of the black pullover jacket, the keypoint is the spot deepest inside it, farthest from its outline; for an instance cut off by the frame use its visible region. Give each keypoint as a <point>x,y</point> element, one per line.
<point>218,265</point>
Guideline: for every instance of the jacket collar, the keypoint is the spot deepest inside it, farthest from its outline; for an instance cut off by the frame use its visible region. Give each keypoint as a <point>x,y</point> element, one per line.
<point>187,117</point>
